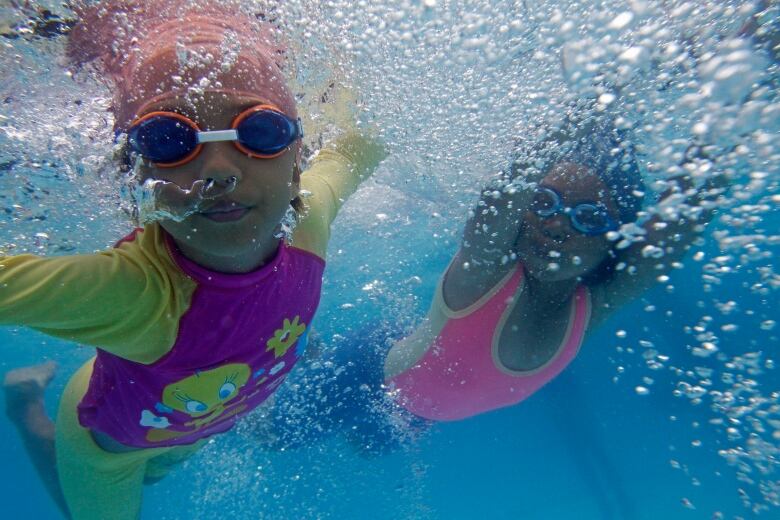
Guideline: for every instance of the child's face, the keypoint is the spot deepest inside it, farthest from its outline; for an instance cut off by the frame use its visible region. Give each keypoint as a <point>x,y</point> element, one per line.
<point>552,240</point>
<point>242,223</point>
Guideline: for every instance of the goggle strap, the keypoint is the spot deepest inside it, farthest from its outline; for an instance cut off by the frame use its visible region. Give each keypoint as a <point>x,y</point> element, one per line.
<point>214,136</point>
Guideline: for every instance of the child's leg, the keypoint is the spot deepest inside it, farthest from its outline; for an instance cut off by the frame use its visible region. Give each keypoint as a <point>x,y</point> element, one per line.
<point>24,388</point>
<point>159,467</point>
<point>340,392</point>
<point>98,484</point>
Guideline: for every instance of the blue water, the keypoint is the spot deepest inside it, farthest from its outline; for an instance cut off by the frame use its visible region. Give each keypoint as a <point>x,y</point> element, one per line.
<point>588,445</point>
<point>584,447</point>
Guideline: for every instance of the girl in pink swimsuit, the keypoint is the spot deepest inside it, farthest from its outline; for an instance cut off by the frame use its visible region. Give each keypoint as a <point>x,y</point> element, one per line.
<point>536,271</point>
<point>198,316</point>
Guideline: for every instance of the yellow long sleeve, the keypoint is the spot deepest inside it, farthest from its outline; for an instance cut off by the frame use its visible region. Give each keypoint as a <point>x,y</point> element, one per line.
<point>334,175</point>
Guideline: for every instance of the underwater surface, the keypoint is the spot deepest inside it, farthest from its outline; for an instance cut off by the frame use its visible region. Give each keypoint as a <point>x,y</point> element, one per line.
<point>670,409</point>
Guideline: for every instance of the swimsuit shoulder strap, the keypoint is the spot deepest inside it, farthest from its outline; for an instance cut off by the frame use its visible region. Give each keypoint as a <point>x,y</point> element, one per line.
<point>507,286</point>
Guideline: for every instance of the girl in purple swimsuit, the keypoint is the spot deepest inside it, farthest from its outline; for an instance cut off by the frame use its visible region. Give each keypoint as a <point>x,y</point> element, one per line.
<point>198,316</point>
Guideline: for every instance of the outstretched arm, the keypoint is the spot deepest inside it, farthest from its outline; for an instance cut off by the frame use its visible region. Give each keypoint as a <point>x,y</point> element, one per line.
<point>334,175</point>
<point>677,219</point>
<point>123,300</point>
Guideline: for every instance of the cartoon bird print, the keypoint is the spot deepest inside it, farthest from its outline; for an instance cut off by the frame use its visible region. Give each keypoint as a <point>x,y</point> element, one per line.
<point>205,396</point>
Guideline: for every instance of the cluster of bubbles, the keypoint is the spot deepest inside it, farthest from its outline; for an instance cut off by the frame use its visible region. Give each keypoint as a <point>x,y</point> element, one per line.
<point>57,181</point>
<point>458,85</point>
<point>454,87</point>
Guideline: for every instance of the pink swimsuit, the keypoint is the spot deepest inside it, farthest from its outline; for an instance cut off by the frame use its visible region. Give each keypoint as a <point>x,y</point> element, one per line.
<point>460,374</point>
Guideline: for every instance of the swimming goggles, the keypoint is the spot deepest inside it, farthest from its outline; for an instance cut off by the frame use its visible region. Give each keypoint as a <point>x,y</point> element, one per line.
<point>589,218</point>
<point>169,139</point>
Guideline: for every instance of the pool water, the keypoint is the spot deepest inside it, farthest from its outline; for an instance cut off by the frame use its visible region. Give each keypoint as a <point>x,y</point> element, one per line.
<point>645,423</point>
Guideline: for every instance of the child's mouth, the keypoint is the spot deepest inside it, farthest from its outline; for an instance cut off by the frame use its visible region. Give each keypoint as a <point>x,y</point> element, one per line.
<point>229,212</point>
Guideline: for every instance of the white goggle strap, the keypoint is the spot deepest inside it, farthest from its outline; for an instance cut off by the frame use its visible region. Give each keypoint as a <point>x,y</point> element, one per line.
<point>214,136</point>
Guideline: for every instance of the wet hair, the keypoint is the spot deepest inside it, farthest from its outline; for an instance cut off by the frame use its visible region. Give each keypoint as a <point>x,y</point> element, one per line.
<point>611,157</point>
<point>603,149</point>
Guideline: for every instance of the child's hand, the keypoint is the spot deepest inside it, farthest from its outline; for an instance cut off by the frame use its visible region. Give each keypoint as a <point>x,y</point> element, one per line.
<point>340,106</point>
<point>332,110</point>
<point>495,224</point>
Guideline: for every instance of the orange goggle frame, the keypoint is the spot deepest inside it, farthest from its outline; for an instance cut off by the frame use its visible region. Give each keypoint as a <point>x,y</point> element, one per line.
<point>170,139</point>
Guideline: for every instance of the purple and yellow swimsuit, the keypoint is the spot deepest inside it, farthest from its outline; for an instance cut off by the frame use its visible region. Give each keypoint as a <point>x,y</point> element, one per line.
<point>182,352</point>
<point>238,338</point>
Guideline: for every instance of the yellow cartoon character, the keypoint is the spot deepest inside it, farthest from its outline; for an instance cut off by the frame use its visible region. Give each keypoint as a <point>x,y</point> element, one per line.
<point>285,337</point>
<point>203,396</point>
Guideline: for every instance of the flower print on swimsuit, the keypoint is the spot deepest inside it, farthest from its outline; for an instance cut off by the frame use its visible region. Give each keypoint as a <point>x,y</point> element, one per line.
<point>150,420</point>
<point>285,337</point>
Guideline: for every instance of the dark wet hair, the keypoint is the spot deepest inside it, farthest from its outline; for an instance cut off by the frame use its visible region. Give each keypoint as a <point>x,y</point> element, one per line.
<point>603,149</point>
<point>611,157</point>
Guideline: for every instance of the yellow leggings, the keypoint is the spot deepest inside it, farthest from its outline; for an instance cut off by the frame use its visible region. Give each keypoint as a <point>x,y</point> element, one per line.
<point>98,484</point>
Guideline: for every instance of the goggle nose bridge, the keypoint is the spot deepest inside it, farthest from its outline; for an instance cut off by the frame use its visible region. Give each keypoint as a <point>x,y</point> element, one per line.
<point>215,136</point>
<point>558,208</point>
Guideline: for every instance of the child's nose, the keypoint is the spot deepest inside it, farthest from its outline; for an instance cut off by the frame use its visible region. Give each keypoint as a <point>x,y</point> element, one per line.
<point>557,227</point>
<point>217,164</point>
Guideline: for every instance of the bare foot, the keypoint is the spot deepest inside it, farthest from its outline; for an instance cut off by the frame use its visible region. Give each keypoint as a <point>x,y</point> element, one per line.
<point>24,389</point>
<point>25,386</point>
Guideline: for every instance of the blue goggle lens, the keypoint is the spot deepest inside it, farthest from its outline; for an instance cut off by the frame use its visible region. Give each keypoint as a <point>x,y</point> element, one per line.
<point>162,139</point>
<point>267,132</point>
<point>545,202</point>
<point>591,219</point>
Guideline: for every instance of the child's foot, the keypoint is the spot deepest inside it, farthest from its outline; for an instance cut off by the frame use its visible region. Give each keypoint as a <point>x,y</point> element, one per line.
<point>25,386</point>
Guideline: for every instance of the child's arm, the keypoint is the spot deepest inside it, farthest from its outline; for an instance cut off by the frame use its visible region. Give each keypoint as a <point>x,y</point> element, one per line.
<point>117,300</point>
<point>487,249</point>
<point>679,217</point>
<point>333,176</point>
